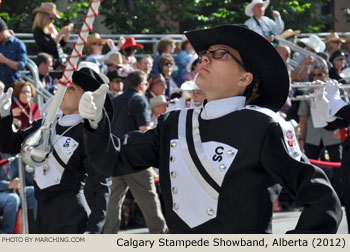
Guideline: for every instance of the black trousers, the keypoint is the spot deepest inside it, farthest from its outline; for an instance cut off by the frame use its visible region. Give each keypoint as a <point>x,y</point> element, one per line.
<point>62,214</point>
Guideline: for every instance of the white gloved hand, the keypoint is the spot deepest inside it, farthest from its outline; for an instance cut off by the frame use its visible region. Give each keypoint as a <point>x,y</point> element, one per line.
<point>319,107</point>
<point>5,102</point>
<point>91,105</point>
<point>335,103</point>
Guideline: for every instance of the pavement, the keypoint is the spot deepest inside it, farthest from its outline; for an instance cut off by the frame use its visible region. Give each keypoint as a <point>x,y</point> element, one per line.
<point>281,223</point>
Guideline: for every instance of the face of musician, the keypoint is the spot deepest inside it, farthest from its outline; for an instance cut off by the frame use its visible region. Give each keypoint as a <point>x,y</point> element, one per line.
<point>70,102</point>
<point>221,73</point>
<point>318,74</point>
<point>25,95</point>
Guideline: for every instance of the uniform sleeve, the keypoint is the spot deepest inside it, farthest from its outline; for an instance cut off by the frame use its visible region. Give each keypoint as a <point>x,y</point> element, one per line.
<point>307,183</point>
<point>11,142</point>
<point>96,192</point>
<point>115,156</point>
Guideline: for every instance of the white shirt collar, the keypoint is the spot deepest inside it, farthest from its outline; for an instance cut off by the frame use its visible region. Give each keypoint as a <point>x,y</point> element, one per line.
<point>222,107</point>
<point>69,120</point>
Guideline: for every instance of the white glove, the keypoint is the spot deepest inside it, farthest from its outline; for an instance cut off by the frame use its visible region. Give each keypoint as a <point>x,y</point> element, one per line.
<point>319,108</point>
<point>335,103</point>
<point>5,102</point>
<point>91,105</point>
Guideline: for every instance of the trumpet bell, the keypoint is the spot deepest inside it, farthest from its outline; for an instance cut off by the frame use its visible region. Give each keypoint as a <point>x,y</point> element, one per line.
<point>37,147</point>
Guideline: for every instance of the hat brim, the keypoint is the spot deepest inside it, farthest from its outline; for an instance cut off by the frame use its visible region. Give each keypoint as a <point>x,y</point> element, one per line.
<point>98,40</point>
<point>137,45</point>
<point>57,14</point>
<point>249,8</point>
<point>254,49</point>
<point>88,83</point>
<point>290,34</point>
<point>335,39</point>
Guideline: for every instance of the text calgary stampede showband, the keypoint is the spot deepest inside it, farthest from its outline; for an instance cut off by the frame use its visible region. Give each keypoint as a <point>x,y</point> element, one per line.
<point>221,242</point>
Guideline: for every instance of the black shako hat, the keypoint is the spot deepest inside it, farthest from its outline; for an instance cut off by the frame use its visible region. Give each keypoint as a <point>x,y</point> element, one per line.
<point>89,80</point>
<point>257,53</point>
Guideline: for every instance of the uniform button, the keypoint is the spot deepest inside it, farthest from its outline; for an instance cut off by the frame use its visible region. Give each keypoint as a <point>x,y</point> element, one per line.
<point>210,212</point>
<point>176,206</point>
<point>74,145</point>
<point>173,174</point>
<point>173,144</point>
<point>68,152</point>
<point>56,180</point>
<point>172,159</point>
<point>230,153</point>
<point>45,166</point>
<point>174,190</point>
<point>296,154</point>
<point>222,167</point>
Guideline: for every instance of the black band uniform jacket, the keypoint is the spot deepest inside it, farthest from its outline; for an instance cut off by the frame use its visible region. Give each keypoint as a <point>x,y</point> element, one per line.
<point>221,174</point>
<point>72,197</point>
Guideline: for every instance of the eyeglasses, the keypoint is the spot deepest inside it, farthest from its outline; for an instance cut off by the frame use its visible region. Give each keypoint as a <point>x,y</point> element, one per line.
<point>26,92</point>
<point>318,75</point>
<point>340,59</point>
<point>219,54</point>
<point>117,81</point>
<point>168,64</point>
<point>336,42</point>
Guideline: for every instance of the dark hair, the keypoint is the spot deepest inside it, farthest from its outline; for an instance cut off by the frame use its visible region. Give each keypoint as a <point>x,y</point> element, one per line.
<point>166,57</point>
<point>194,63</point>
<point>252,91</point>
<point>135,78</point>
<point>184,44</point>
<point>155,79</point>
<point>163,44</point>
<point>42,58</point>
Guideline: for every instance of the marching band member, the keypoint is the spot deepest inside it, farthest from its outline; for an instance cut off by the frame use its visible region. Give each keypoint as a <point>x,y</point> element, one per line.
<point>222,166</point>
<point>72,196</point>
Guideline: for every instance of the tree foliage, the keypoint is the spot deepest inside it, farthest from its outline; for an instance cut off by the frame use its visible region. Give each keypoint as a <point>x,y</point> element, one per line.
<point>164,16</point>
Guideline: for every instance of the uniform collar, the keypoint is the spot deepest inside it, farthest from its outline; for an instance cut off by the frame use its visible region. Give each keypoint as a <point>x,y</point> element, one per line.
<point>69,120</point>
<point>222,107</point>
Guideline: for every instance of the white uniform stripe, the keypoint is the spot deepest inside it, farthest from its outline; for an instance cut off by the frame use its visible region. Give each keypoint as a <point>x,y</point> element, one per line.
<point>184,149</point>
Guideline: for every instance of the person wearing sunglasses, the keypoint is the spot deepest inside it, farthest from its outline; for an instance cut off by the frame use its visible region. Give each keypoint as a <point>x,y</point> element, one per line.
<point>45,34</point>
<point>317,142</point>
<point>166,67</point>
<point>338,59</point>
<point>333,43</point>
<point>94,48</point>
<point>222,166</point>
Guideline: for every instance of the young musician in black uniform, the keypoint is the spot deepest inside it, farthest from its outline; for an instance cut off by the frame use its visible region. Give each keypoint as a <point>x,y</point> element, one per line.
<point>222,166</point>
<point>72,196</point>
<point>339,117</point>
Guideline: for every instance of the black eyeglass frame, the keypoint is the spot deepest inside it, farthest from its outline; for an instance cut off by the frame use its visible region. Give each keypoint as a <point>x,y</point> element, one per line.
<point>214,55</point>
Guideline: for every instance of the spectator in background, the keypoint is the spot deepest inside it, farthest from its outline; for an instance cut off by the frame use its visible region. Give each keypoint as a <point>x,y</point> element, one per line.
<point>128,51</point>
<point>182,59</point>
<point>10,200</point>
<point>290,35</point>
<point>157,86</point>
<point>333,43</point>
<point>338,60</point>
<point>261,24</point>
<point>132,112</point>
<point>158,105</point>
<point>166,66</point>
<point>192,68</point>
<point>165,45</point>
<point>146,64</point>
<point>13,56</point>
<point>116,82</point>
<point>115,62</point>
<point>23,107</point>
<point>94,48</point>
<point>44,62</point>
<point>46,36</point>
